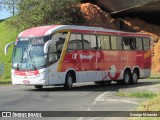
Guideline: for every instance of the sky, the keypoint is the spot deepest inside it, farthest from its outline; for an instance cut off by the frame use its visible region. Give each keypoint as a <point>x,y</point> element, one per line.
<point>4,13</point>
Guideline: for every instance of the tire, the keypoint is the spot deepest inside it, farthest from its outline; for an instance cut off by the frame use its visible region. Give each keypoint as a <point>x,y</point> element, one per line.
<point>127,77</point>
<point>135,77</point>
<point>38,86</point>
<point>69,81</point>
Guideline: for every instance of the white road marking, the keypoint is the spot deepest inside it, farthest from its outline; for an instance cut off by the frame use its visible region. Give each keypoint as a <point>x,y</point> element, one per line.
<point>94,103</point>
<point>95,118</point>
<point>103,97</point>
<point>43,98</point>
<point>81,118</point>
<point>125,101</point>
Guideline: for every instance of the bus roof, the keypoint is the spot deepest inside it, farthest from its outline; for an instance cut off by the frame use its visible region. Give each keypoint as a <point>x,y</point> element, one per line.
<point>47,30</point>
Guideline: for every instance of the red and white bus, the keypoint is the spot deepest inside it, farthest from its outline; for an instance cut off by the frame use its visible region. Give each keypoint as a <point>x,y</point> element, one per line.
<point>67,54</point>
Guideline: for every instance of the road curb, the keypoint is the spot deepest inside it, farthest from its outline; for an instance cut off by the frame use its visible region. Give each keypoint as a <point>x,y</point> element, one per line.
<point>152,77</point>
<point>140,89</point>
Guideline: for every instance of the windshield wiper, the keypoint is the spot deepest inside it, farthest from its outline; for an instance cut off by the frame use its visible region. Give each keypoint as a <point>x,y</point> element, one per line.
<point>33,65</point>
<point>17,67</point>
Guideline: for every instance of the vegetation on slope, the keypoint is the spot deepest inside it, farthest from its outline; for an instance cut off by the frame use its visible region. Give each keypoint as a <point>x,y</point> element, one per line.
<point>7,34</point>
<point>150,105</point>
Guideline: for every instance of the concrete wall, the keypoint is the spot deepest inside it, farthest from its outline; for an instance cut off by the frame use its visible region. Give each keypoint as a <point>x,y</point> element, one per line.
<point>115,6</point>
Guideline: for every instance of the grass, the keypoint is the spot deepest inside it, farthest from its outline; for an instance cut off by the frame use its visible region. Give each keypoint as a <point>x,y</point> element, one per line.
<point>7,34</point>
<point>154,76</point>
<point>150,105</point>
<point>6,81</point>
<point>138,94</point>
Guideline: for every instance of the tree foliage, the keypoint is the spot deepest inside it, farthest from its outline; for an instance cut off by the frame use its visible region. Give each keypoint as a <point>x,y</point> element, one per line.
<point>44,12</point>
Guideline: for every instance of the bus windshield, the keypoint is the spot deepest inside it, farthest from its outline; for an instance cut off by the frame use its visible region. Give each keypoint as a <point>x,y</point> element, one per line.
<point>29,54</point>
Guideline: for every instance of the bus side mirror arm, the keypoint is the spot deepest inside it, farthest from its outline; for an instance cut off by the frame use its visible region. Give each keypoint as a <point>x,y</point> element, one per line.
<point>46,45</point>
<point>7,46</point>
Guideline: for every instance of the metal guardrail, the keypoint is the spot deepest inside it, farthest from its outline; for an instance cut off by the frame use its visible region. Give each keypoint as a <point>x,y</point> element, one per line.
<point>1,70</point>
<point>5,64</point>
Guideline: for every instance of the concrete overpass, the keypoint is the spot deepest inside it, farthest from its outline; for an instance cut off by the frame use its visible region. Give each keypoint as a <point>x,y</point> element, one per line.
<point>145,9</point>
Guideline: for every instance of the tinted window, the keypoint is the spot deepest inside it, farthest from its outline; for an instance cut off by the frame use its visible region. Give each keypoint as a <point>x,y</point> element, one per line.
<point>52,54</point>
<point>93,41</point>
<point>75,42</point>
<point>89,42</point>
<point>146,43</point>
<point>129,43</point>
<point>139,44</point>
<point>104,42</point>
<point>116,43</point>
<point>59,39</point>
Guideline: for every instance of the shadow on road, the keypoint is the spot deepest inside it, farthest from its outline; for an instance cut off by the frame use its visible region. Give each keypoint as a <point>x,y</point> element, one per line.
<point>95,88</point>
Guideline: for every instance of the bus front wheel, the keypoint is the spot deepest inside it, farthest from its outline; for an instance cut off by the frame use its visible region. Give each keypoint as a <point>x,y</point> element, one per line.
<point>69,81</point>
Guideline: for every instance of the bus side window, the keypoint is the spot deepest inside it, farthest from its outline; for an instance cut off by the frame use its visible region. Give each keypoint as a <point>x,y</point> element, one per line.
<point>146,43</point>
<point>52,56</point>
<point>116,43</point>
<point>100,41</point>
<point>59,38</point>
<point>119,43</point>
<point>139,44</point>
<point>103,42</point>
<point>75,42</point>
<point>93,42</point>
<point>86,42</point>
<point>129,43</point>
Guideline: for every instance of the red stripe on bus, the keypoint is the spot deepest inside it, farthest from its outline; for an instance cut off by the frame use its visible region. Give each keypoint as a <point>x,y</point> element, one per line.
<point>26,73</point>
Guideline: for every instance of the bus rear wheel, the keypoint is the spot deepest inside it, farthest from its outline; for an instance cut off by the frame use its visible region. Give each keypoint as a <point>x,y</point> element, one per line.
<point>126,77</point>
<point>135,77</point>
<point>38,86</point>
<point>69,81</point>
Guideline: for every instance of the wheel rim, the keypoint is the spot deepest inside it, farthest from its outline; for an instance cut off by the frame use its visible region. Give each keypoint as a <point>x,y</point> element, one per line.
<point>126,78</point>
<point>135,77</point>
<point>69,82</point>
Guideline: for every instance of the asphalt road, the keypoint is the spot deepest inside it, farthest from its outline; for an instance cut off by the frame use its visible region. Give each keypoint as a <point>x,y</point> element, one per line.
<point>83,97</point>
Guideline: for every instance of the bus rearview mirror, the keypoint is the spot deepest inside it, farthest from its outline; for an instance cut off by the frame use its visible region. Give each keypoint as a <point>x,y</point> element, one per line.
<point>7,46</point>
<point>46,45</point>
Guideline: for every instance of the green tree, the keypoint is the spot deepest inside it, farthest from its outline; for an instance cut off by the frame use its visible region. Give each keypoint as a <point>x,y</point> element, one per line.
<point>44,12</point>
